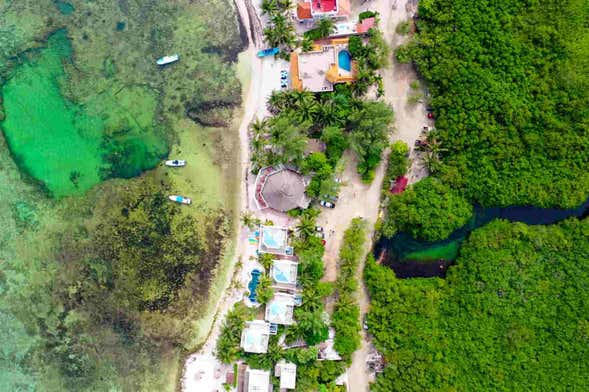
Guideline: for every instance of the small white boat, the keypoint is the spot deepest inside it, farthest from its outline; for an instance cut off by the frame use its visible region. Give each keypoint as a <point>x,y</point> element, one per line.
<point>168,59</point>
<point>180,199</point>
<point>176,163</point>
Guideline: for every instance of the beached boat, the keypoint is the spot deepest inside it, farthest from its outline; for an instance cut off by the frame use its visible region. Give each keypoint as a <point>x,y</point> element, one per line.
<point>268,52</point>
<point>180,199</point>
<point>168,59</point>
<point>176,163</point>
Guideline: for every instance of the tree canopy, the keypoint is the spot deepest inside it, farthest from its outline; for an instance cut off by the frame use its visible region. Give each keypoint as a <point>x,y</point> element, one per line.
<point>429,210</point>
<point>510,91</point>
<point>512,315</point>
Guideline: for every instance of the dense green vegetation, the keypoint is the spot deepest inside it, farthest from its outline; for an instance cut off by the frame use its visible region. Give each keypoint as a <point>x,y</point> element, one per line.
<point>280,31</point>
<point>428,210</point>
<point>346,314</point>
<point>397,165</point>
<point>338,118</point>
<point>511,314</point>
<point>510,91</point>
<point>310,317</point>
<point>370,56</point>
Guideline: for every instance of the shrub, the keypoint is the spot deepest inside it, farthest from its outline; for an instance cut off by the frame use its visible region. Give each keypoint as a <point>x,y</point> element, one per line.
<point>430,210</point>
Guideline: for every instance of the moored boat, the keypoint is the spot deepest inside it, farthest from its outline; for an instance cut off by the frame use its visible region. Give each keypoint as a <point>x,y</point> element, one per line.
<point>176,163</point>
<point>168,59</point>
<point>180,199</point>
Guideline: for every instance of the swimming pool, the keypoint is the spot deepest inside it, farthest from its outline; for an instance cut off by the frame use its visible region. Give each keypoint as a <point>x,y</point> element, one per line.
<point>253,284</point>
<point>344,60</point>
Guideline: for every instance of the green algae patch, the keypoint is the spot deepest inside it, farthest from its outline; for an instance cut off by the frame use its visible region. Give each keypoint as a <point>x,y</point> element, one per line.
<point>70,147</point>
<point>64,7</point>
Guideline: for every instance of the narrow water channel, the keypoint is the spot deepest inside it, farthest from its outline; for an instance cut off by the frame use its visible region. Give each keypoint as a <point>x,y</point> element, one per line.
<point>409,257</point>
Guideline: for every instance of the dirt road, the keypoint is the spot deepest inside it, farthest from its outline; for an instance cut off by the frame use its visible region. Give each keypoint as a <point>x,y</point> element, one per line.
<point>409,120</point>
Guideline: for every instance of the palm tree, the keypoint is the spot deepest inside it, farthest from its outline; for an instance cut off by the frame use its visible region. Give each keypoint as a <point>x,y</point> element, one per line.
<point>306,44</point>
<point>431,161</point>
<point>278,101</point>
<point>286,4</point>
<point>306,227</point>
<point>259,127</point>
<point>325,26</point>
<point>269,7</point>
<point>248,220</point>
<point>308,107</point>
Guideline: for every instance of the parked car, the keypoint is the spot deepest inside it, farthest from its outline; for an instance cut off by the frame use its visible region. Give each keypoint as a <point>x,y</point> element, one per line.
<point>320,234</point>
<point>319,229</point>
<point>420,144</point>
<point>283,84</point>
<point>338,180</point>
<point>326,204</point>
<point>430,115</point>
<point>283,74</point>
<point>364,322</point>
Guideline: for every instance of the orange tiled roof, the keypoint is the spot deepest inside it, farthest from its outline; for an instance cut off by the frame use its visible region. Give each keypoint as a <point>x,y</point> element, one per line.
<point>304,10</point>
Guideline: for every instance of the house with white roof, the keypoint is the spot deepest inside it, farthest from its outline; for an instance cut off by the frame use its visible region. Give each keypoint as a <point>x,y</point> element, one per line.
<point>257,380</point>
<point>280,309</point>
<point>255,337</point>
<point>287,372</point>
<point>284,274</point>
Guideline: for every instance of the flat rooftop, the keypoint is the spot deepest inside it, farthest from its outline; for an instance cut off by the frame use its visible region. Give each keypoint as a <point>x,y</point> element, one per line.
<point>313,67</point>
<point>280,309</point>
<point>274,239</point>
<point>285,272</point>
<point>324,5</point>
<point>255,337</point>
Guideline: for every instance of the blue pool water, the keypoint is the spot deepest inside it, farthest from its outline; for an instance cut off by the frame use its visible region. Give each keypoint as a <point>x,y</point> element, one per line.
<point>253,284</point>
<point>344,60</point>
<point>280,276</point>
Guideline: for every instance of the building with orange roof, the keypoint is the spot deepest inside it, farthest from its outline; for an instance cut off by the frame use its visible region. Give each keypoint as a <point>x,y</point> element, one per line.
<point>327,64</point>
<point>317,9</point>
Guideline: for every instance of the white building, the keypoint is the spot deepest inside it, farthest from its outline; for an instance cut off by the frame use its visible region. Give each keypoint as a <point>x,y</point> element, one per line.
<point>284,273</point>
<point>280,309</point>
<point>287,372</point>
<point>257,380</point>
<point>255,337</point>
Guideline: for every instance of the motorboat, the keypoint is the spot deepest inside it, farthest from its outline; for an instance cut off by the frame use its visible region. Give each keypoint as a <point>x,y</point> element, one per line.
<point>168,59</point>
<point>180,199</point>
<point>176,163</point>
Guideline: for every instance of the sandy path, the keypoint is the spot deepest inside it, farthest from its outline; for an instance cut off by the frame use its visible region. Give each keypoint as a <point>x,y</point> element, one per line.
<point>409,121</point>
<point>252,98</point>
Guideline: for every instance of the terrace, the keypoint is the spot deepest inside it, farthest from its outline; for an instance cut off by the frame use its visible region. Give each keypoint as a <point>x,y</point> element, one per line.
<point>280,309</point>
<point>284,273</point>
<point>255,337</point>
<point>274,240</point>
<point>327,64</point>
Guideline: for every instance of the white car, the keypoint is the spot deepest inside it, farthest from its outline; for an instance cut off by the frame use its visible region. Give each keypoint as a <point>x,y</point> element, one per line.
<point>283,74</point>
<point>326,204</point>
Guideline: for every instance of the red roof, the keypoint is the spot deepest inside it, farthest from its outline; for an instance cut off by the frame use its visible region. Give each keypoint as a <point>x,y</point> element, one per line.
<point>324,5</point>
<point>365,25</point>
<point>400,184</point>
<point>304,10</point>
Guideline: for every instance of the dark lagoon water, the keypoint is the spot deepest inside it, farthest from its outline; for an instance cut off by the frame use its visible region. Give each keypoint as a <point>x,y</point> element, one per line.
<point>410,257</point>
